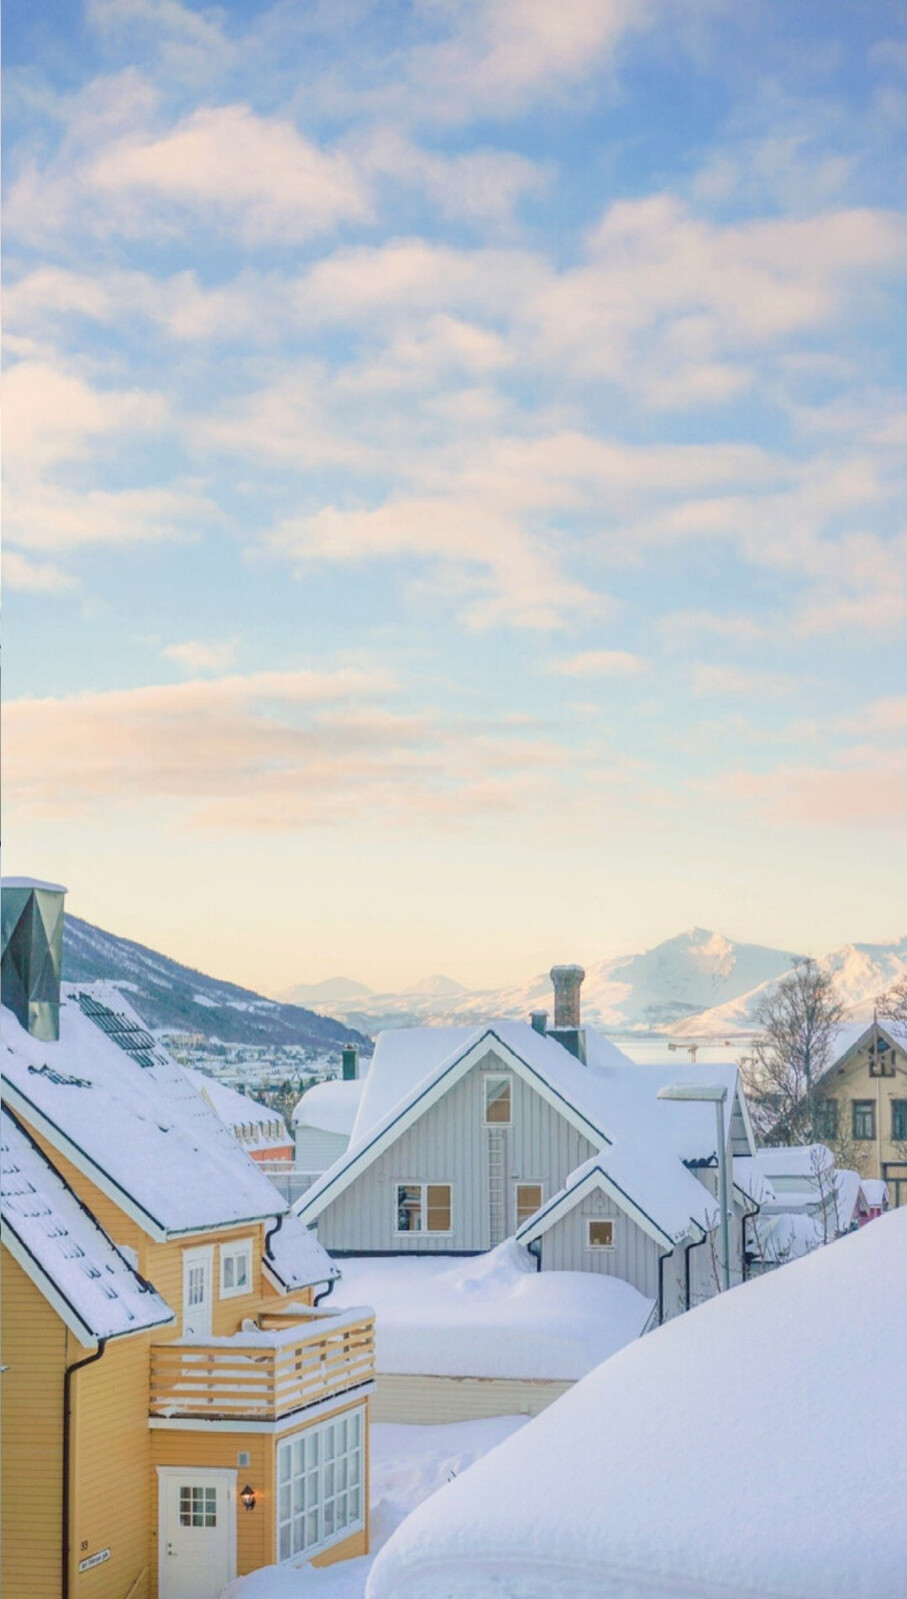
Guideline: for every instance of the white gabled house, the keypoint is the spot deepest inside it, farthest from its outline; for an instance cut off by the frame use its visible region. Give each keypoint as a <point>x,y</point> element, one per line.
<point>465,1136</point>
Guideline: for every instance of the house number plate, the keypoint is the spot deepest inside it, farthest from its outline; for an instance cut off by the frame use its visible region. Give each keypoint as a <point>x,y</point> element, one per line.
<point>94,1560</point>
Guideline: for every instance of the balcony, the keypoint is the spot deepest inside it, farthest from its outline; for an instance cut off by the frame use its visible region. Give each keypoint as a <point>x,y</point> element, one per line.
<point>291,1359</point>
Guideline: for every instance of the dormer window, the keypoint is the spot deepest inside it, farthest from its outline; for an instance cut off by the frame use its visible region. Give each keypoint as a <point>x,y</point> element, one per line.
<point>497,1101</point>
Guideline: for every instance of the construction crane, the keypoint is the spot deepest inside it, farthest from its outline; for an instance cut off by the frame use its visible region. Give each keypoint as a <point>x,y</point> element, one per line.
<point>710,1041</point>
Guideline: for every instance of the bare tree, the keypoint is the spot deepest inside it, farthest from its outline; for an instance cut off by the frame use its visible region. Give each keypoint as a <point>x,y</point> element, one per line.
<point>798,1020</point>
<point>892,1005</point>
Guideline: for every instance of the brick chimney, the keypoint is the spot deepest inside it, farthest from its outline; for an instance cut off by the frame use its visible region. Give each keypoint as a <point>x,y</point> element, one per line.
<point>32,954</point>
<point>567,1029</point>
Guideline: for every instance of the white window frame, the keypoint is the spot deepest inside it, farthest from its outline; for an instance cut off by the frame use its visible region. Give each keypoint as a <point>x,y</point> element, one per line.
<point>603,1248</point>
<point>497,1077</point>
<point>423,1232</point>
<point>350,1528</point>
<point>526,1182</point>
<point>236,1250</point>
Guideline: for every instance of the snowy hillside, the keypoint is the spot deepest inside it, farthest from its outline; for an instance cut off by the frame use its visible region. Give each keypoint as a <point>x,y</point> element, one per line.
<point>697,982</point>
<point>168,995</point>
<point>861,972</point>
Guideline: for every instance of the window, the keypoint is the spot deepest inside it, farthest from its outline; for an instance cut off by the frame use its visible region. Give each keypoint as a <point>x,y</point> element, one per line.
<point>497,1101</point>
<point>899,1119</point>
<point>528,1201</point>
<point>236,1269</point>
<point>319,1485</point>
<point>198,1506</point>
<point>827,1118</point>
<point>881,1059</point>
<point>423,1208</point>
<point>599,1234</point>
<point>864,1118</point>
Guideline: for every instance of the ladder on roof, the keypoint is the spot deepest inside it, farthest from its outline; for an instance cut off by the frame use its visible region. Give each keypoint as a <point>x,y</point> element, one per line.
<point>497,1207</point>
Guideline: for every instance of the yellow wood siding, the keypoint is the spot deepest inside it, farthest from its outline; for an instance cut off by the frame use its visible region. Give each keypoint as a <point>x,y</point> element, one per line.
<point>34,1350</point>
<point>855,1081</point>
<point>428,1400</point>
<point>111,1503</point>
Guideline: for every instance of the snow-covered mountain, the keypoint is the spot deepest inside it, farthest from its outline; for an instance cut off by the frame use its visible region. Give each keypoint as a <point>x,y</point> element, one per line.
<point>861,972</point>
<point>333,988</point>
<point>696,983</point>
<point>170,996</point>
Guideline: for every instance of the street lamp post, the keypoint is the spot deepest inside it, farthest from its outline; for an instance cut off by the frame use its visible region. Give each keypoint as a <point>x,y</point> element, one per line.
<point>711,1093</point>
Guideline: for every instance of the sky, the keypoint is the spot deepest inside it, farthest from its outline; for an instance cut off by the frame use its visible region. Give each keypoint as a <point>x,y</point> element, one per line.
<point>454,477</point>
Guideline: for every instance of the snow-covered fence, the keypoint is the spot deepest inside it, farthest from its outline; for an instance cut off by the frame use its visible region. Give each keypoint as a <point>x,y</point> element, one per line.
<point>265,1373</point>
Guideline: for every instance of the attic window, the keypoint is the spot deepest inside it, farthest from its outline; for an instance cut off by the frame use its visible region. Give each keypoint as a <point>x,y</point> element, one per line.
<point>497,1101</point>
<point>599,1233</point>
<point>62,1078</point>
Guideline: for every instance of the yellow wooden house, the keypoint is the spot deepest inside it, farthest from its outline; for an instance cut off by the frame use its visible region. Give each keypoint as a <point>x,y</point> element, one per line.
<point>180,1403</point>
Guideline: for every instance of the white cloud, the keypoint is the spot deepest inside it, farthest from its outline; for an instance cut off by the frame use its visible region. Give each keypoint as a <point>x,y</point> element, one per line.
<point>197,655</point>
<point>600,663</point>
<point>35,577</point>
<point>741,682</point>
<point>254,174</point>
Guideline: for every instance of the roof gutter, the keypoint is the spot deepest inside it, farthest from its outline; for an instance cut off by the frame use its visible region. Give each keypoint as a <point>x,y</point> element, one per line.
<point>67,1428</point>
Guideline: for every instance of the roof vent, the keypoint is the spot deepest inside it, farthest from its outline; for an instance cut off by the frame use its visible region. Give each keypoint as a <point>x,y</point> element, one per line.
<point>350,1062</point>
<point>539,1020</point>
<point>32,954</point>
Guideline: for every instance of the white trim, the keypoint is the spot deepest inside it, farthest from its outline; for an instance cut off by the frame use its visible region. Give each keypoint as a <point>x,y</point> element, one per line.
<point>295,1419</point>
<point>497,1077</point>
<point>423,1098</point>
<point>596,1221</point>
<point>740,1098</point>
<point>423,1184</point>
<point>200,1253</point>
<point>223,1475</point>
<point>560,1206</point>
<point>241,1247</point>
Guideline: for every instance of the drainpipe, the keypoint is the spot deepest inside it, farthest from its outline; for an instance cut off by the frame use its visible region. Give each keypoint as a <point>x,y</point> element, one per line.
<point>325,1292</point>
<point>534,1248</point>
<point>747,1216</point>
<point>695,1243</point>
<point>661,1284</point>
<point>67,1422</point>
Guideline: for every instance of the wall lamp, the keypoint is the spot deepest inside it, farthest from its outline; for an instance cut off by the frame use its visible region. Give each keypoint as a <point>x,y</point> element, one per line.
<point>248,1497</point>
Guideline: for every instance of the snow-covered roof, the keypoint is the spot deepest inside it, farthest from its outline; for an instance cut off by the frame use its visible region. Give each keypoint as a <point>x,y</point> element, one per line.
<point>612,1101</point>
<point>597,1496</point>
<point>492,1315</point>
<point>294,1258</point>
<point>853,1036</point>
<point>662,1196</point>
<point>850,1198</point>
<point>330,1107</point>
<point>143,1134</point>
<point>237,1110</point>
<point>751,1181</point>
<point>876,1191</point>
<point>794,1160</point>
<point>65,1251</point>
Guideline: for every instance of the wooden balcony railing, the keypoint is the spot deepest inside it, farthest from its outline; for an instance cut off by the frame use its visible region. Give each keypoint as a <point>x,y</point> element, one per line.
<point>295,1359</point>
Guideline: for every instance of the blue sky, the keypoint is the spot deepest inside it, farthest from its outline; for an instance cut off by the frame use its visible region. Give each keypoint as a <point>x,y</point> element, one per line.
<point>454,476</point>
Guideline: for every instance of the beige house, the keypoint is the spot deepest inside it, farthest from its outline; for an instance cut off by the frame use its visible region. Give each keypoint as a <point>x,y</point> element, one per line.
<point>864,1105</point>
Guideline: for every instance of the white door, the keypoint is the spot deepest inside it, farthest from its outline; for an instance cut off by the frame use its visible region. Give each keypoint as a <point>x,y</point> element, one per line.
<point>198,1267</point>
<point>196,1532</point>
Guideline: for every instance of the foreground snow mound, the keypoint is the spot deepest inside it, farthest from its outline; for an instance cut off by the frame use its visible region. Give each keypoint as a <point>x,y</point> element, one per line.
<point>492,1315</point>
<point>752,1449</point>
<point>407,1465</point>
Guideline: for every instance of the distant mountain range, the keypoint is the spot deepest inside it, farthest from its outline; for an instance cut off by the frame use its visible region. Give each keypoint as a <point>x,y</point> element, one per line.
<point>698,983</point>
<point>173,997</point>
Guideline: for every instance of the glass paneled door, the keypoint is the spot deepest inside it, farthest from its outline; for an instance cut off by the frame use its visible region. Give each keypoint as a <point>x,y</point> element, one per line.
<point>196,1533</point>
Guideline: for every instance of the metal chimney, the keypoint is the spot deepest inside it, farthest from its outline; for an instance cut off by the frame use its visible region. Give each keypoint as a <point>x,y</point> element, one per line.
<point>539,1021</point>
<point>32,953</point>
<point>567,981</point>
<point>349,1056</point>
